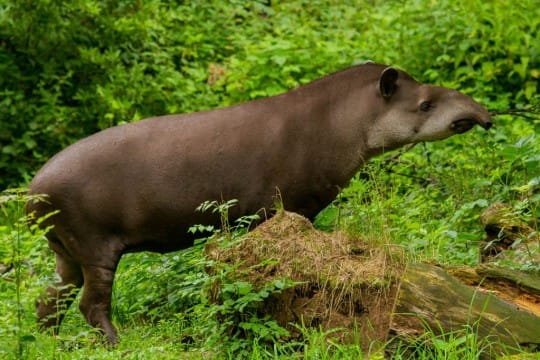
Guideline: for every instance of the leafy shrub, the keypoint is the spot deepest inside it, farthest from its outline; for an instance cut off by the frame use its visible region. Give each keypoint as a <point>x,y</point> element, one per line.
<point>68,70</point>
<point>21,257</point>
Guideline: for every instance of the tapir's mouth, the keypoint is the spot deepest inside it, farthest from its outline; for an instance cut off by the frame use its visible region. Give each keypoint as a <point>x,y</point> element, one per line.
<point>462,125</point>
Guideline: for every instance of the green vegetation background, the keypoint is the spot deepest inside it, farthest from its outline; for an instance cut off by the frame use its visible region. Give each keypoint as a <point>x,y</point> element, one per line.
<point>71,68</point>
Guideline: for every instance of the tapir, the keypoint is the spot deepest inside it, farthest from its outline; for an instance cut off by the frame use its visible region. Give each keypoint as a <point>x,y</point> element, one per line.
<point>136,187</point>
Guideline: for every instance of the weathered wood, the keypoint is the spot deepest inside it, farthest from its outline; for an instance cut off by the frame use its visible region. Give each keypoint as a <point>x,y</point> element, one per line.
<point>526,281</point>
<point>431,299</point>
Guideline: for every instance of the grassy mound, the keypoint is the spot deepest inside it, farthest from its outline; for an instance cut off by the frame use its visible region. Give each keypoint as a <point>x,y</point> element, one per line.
<point>340,281</point>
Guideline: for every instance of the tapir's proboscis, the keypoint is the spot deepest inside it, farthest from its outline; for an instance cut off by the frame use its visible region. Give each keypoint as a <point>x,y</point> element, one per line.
<point>135,187</point>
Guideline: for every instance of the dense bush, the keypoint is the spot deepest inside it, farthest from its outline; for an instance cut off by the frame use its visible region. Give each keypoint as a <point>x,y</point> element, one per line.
<point>68,69</point>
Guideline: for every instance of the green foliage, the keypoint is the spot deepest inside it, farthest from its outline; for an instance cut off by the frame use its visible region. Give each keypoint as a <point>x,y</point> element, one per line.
<point>182,320</point>
<point>232,320</point>
<point>20,259</point>
<point>232,305</point>
<point>68,69</point>
<point>454,345</point>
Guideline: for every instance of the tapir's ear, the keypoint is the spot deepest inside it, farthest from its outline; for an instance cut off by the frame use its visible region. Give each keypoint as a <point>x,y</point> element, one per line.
<point>387,82</point>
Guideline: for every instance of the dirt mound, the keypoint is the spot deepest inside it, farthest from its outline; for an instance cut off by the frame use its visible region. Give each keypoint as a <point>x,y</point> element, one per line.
<point>344,283</point>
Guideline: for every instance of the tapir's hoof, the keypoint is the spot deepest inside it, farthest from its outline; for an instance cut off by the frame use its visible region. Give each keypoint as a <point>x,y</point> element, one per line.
<point>105,339</point>
<point>112,342</point>
<point>111,336</point>
<point>48,318</point>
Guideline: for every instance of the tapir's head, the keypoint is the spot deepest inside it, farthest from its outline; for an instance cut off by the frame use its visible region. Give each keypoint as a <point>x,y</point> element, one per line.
<point>410,112</point>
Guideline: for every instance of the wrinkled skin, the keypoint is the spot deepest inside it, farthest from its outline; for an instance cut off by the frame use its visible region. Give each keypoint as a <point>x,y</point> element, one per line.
<point>135,187</point>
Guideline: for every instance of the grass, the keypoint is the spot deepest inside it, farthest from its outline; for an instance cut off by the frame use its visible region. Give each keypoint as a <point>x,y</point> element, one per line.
<point>161,312</point>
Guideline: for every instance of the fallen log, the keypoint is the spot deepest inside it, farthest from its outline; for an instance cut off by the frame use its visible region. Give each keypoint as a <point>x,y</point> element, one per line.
<point>498,305</point>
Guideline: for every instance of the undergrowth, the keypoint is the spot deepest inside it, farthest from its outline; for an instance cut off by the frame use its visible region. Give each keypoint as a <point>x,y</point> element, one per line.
<point>68,70</point>
<point>171,306</point>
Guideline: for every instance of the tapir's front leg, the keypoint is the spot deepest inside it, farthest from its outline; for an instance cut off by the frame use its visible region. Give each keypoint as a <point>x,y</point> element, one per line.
<point>96,300</point>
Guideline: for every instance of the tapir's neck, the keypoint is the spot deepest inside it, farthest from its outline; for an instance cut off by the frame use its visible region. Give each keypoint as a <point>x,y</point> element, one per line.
<point>335,122</point>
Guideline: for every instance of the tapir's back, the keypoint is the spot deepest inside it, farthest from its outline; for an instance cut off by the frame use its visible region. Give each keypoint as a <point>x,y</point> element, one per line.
<point>186,159</point>
<point>133,179</point>
<point>143,181</point>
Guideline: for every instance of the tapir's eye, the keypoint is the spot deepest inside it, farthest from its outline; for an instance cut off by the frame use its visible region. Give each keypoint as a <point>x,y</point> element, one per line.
<point>426,106</point>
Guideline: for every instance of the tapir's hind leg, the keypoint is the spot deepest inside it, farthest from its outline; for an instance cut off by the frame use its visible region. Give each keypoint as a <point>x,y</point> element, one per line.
<point>96,300</point>
<point>53,304</point>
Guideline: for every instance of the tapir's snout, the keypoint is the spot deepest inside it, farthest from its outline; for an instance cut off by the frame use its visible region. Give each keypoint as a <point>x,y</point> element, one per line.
<point>481,116</point>
<point>487,124</point>
<point>470,115</point>
<point>484,119</point>
<point>450,113</point>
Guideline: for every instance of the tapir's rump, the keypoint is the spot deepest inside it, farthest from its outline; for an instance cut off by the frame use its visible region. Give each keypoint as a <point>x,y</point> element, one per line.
<point>135,187</point>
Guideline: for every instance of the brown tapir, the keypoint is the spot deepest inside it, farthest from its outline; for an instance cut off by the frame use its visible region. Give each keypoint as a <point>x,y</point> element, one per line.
<point>135,187</point>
